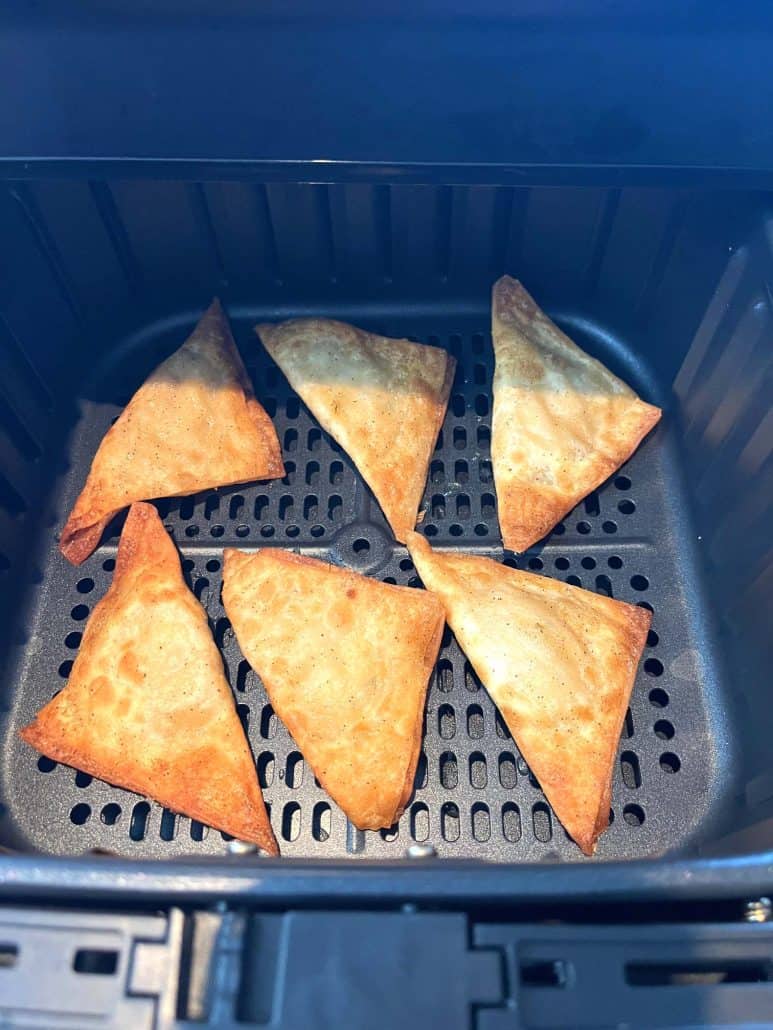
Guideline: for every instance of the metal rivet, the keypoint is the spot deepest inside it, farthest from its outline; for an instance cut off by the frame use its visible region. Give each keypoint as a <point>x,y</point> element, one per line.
<point>758,911</point>
<point>420,851</point>
<point>241,847</point>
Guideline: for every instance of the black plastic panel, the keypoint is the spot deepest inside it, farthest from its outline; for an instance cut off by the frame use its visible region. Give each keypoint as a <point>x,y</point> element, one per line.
<point>474,795</point>
<point>500,92</point>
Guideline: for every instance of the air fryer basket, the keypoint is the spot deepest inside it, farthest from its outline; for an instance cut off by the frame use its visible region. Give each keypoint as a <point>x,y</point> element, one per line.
<point>631,275</point>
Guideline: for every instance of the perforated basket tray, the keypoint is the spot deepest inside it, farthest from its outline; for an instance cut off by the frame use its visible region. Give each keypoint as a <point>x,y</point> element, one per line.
<point>474,794</point>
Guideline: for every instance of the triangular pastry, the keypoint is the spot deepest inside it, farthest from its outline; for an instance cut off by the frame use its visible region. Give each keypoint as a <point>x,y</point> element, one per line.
<point>559,663</point>
<point>383,400</point>
<point>147,705</point>
<point>194,424</point>
<point>561,422</point>
<point>345,661</point>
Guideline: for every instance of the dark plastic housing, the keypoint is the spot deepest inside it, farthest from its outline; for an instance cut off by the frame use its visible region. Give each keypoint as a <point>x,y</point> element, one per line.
<point>102,278</point>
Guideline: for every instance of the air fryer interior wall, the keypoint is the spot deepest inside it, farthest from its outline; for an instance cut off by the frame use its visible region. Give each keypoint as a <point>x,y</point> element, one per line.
<point>101,280</point>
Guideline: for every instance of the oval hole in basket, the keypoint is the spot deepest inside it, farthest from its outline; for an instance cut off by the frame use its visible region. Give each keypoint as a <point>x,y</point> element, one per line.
<point>168,826</point>
<point>235,506</point>
<point>243,675</point>
<point>670,763</point>
<point>475,724</point>
<point>321,821</point>
<point>390,833</point>
<point>420,776</point>
<point>481,822</point>
<point>658,698</point>
<point>267,723</point>
<point>266,765</point>
<point>199,831</point>
<point>444,676</point>
<point>138,824</point>
<point>312,473</point>
<point>471,681</point>
<point>110,814</point>
<point>80,814</point>
<point>311,511</point>
<point>419,822</point>
<point>446,721</point>
<point>664,730</point>
<point>294,770</point>
<point>604,585</point>
<point>291,821</point>
<point>633,815</point>
<point>511,822</point>
<point>449,821</point>
<point>223,632</point>
<point>508,775</point>
<point>437,507</point>
<point>628,725</point>
<point>541,821</point>
<point>478,770</point>
<point>449,771</point>
<point>631,772</point>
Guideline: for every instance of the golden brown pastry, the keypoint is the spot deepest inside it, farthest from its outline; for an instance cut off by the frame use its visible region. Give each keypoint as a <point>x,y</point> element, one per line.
<point>345,661</point>
<point>147,705</point>
<point>192,425</point>
<point>383,400</point>
<point>558,661</point>
<point>561,422</point>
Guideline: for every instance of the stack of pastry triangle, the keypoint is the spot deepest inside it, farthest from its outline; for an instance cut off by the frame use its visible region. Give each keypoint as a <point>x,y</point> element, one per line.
<point>345,661</point>
<point>558,661</point>
<point>561,422</point>
<point>147,706</point>
<point>194,424</point>
<point>383,400</point>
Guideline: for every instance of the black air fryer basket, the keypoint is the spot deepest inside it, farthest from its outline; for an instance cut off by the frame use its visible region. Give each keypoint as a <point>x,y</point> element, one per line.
<point>385,171</point>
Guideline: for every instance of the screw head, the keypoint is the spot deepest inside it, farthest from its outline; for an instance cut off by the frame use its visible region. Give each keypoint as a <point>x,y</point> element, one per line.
<point>758,910</point>
<point>420,851</point>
